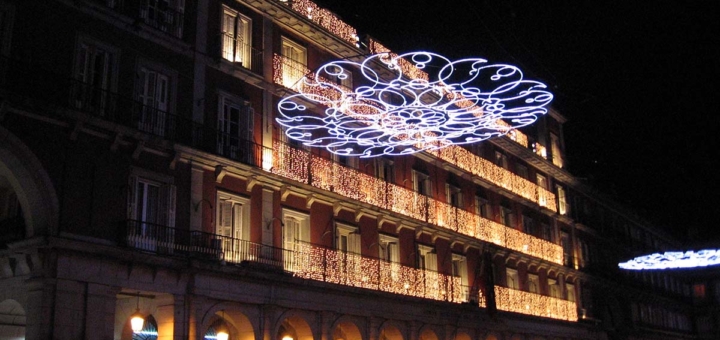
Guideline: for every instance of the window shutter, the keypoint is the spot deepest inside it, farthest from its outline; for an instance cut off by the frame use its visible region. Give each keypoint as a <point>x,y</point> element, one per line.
<point>289,233</point>
<point>237,224</point>
<point>304,230</point>
<point>225,222</point>
<point>132,187</point>
<point>394,253</point>
<point>163,205</point>
<point>247,122</point>
<point>354,243</point>
<point>431,261</point>
<point>172,193</point>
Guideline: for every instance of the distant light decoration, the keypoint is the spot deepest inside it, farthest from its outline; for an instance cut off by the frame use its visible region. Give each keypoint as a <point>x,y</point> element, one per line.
<point>399,114</point>
<point>674,260</point>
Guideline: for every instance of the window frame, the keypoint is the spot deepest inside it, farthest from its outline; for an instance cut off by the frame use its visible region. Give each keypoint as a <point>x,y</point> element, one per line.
<point>512,280</point>
<point>243,50</point>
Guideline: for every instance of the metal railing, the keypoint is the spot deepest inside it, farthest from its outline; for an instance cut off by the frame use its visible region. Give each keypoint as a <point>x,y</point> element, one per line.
<point>240,53</point>
<point>304,260</point>
<point>158,14</point>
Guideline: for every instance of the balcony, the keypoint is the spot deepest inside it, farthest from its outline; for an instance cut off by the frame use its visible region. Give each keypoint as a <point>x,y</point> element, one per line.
<point>322,173</point>
<point>522,302</point>
<point>241,54</point>
<point>158,14</point>
<point>306,261</point>
<point>325,19</point>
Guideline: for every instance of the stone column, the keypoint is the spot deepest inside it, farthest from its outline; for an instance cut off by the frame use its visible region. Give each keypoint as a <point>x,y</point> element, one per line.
<point>40,309</point>
<point>100,307</point>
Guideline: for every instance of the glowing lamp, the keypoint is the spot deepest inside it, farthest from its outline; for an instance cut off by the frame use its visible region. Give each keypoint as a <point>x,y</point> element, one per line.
<point>222,333</point>
<point>137,321</point>
<point>287,337</point>
<point>397,113</point>
<point>674,260</point>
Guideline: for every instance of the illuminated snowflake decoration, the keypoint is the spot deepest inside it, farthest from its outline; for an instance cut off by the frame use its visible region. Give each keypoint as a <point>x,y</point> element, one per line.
<point>672,260</point>
<point>404,109</point>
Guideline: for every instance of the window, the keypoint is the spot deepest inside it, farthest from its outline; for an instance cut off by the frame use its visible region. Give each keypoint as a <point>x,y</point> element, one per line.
<point>427,258</point>
<point>236,37</point>
<point>384,169</point>
<point>296,233</point>
<point>459,269</point>
<point>151,211</point>
<point>506,216</point>
<point>567,248</point>
<point>541,181</point>
<point>570,290</point>
<point>165,15</point>
<point>555,149</point>
<point>347,242</point>
<point>482,207</point>
<point>6,24</point>
<point>554,288</point>
<point>512,278</point>
<point>562,201</point>
<point>347,239</point>
<point>547,232</point>
<point>235,129</point>
<point>153,93</point>
<point>422,183</point>
<point>529,225</point>
<point>389,253</point>
<point>389,250</point>
<point>346,161</point>
<point>233,225</point>
<point>95,74</point>
<point>454,195</point>
<point>501,160</point>
<point>533,283</point>
<point>294,63</point>
<point>343,79</point>
<point>522,171</point>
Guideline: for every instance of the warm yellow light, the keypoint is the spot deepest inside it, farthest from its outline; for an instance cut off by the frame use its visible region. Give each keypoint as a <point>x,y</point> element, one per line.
<point>324,174</point>
<point>222,335</point>
<point>136,321</point>
<point>518,301</point>
<point>287,337</point>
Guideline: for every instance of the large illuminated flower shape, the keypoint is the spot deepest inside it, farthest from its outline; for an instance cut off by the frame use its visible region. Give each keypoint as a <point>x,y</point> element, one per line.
<point>404,108</point>
<point>670,260</point>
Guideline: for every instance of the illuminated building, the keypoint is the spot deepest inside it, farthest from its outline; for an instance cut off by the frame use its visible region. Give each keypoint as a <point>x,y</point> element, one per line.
<point>143,175</point>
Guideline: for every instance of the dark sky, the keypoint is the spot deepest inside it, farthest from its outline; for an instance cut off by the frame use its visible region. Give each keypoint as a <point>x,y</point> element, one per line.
<point>637,81</point>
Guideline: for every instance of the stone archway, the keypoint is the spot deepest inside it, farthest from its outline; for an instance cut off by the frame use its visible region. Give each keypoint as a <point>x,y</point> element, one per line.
<point>12,320</point>
<point>30,182</point>
<point>390,332</point>
<point>294,327</point>
<point>346,329</point>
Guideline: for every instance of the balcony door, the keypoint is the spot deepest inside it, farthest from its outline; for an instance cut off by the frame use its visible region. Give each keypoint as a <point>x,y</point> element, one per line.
<point>151,209</point>
<point>95,68</point>
<point>233,228</point>
<point>347,243</point>
<point>296,238</point>
<point>153,96</point>
<point>294,63</point>
<point>235,122</point>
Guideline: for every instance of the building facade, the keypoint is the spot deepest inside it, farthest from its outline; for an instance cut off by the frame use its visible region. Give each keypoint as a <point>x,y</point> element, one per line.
<point>142,171</point>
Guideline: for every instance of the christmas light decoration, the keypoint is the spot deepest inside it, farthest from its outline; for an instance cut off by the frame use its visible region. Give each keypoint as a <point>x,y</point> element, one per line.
<point>518,301</point>
<point>397,114</point>
<point>327,175</point>
<point>334,266</point>
<point>674,259</point>
<point>325,19</point>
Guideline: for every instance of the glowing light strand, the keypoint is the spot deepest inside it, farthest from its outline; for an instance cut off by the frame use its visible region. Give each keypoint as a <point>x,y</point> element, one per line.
<point>674,259</point>
<point>325,19</point>
<point>334,266</point>
<point>327,175</point>
<point>404,116</point>
<point>518,301</point>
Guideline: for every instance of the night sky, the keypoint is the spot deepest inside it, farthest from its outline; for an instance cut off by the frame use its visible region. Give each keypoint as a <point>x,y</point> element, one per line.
<point>637,80</point>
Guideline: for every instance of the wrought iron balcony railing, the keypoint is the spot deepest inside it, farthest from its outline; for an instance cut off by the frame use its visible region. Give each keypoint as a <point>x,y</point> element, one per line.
<point>322,173</point>
<point>155,13</point>
<point>522,302</point>
<point>242,54</point>
<point>305,260</point>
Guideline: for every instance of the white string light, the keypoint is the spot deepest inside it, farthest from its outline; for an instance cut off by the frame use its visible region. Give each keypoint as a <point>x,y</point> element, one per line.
<point>674,259</point>
<point>460,104</point>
